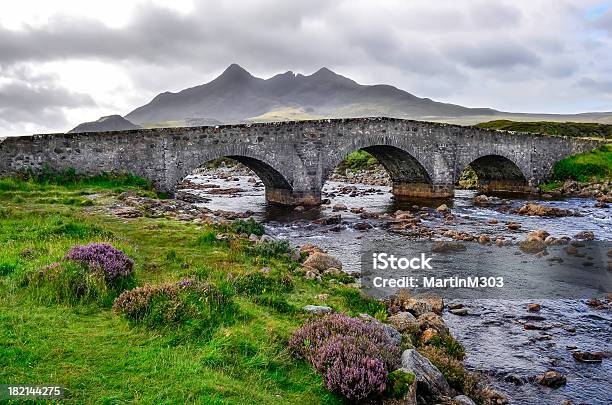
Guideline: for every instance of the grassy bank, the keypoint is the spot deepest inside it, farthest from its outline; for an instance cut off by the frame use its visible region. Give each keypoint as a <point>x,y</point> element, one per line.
<point>573,129</point>
<point>101,357</point>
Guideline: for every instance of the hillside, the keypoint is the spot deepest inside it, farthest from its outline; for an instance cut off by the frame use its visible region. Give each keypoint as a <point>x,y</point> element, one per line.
<point>108,123</point>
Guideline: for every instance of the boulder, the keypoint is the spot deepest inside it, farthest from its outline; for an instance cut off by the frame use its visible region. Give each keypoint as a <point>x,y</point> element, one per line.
<point>540,235</point>
<point>463,400</point>
<point>459,311</point>
<point>533,307</point>
<point>484,239</point>
<point>390,331</point>
<point>443,208</point>
<point>513,226</point>
<point>403,321</point>
<point>431,384</point>
<point>339,207</point>
<point>447,247</point>
<point>317,309</point>
<point>552,379</point>
<point>532,245</point>
<point>543,211</point>
<point>322,261</point>
<point>585,235</point>
<point>430,320</point>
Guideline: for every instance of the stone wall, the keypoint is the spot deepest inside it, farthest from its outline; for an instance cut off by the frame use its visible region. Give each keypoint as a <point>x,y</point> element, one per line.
<point>294,159</point>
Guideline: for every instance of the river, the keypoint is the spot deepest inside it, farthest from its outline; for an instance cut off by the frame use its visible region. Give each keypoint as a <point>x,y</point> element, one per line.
<point>493,334</point>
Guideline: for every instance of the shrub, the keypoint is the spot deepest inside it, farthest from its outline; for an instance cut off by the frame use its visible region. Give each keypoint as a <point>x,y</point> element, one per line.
<point>269,250</point>
<point>94,273</point>
<point>249,226</point>
<point>104,258</point>
<point>450,345</point>
<point>185,301</point>
<point>258,283</point>
<point>352,355</point>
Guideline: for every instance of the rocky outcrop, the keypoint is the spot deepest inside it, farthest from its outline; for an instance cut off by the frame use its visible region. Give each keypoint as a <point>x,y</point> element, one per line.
<point>431,384</point>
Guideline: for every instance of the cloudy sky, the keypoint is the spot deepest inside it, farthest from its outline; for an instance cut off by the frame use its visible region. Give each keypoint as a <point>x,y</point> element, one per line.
<point>67,61</point>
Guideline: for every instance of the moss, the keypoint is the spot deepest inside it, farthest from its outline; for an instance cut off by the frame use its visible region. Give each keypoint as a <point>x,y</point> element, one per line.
<point>399,383</point>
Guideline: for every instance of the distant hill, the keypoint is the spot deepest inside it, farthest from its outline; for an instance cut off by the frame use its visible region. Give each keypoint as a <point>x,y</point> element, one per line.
<point>238,96</point>
<point>108,123</point>
<point>575,129</point>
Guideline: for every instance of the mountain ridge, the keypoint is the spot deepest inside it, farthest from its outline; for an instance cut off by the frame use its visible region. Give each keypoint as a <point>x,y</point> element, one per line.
<point>237,96</point>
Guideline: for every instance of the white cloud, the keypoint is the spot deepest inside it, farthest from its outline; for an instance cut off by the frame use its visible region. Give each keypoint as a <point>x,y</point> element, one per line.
<point>541,55</point>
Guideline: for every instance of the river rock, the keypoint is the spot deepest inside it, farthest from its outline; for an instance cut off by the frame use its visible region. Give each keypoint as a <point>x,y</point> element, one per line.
<point>533,307</point>
<point>585,235</point>
<point>513,226</point>
<point>543,211</point>
<point>447,247</point>
<point>317,309</point>
<point>403,321</point>
<point>459,311</point>
<point>552,379</point>
<point>442,208</point>
<point>588,357</point>
<point>339,207</point>
<point>463,400</point>
<point>484,201</point>
<point>430,320</point>
<point>532,245</point>
<point>431,384</point>
<point>484,239</point>
<point>540,235</point>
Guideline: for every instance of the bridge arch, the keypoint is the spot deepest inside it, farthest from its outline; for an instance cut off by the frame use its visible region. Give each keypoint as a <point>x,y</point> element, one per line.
<point>410,176</point>
<point>496,172</point>
<point>278,186</point>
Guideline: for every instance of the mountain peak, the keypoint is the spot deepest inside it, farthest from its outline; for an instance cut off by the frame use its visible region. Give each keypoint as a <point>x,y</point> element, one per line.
<point>234,71</point>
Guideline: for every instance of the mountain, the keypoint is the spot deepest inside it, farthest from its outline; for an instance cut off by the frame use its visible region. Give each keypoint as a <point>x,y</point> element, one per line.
<point>238,96</point>
<point>108,123</point>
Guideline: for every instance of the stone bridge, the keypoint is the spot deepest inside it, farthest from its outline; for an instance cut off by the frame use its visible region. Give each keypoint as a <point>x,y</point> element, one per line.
<point>294,159</point>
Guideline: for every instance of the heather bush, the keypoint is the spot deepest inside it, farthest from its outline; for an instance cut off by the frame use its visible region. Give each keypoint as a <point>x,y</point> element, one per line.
<point>185,302</point>
<point>91,274</point>
<point>103,258</point>
<point>353,356</point>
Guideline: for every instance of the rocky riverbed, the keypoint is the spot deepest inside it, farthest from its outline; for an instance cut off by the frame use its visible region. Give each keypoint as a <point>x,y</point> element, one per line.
<point>534,349</point>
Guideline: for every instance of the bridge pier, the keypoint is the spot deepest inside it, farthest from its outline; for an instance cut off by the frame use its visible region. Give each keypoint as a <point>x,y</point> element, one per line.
<point>422,190</point>
<point>282,196</point>
<point>506,186</point>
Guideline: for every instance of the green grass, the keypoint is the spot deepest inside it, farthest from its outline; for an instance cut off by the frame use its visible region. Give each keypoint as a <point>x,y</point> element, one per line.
<point>102,357</point>
<point>573,129</point>
<point>358,160</point>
